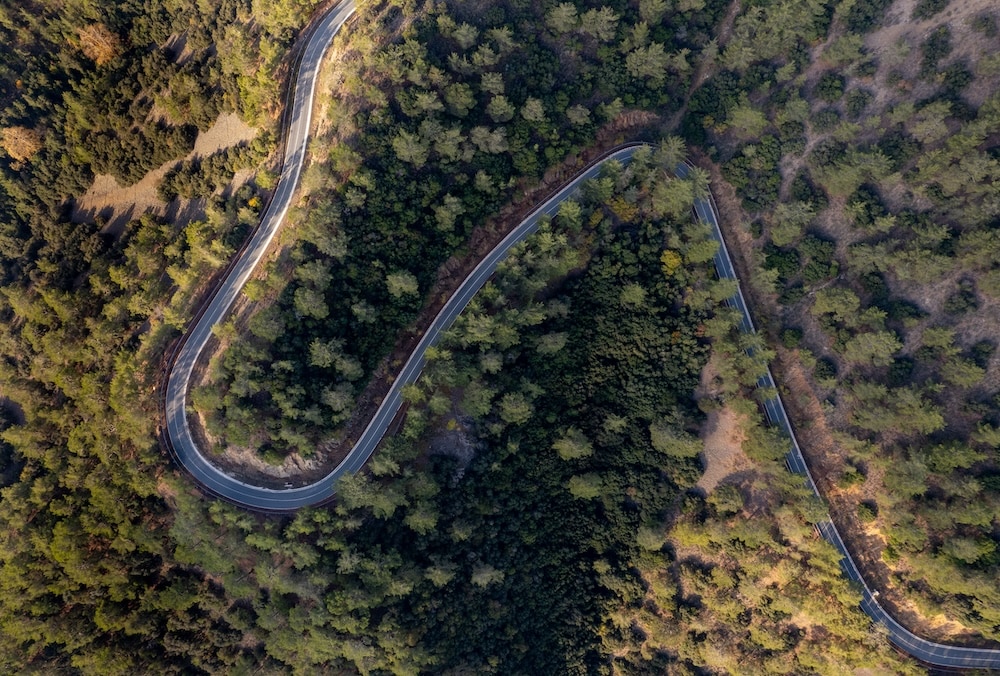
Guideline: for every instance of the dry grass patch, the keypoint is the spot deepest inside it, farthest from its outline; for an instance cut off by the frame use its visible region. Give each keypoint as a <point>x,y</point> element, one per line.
<point>117,204</point>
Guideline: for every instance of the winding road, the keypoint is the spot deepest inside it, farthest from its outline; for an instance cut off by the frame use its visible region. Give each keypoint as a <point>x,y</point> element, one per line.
<point>185,449</point>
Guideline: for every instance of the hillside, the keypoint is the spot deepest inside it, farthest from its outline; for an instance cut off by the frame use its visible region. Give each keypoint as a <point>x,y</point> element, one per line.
<point>542,506</point>
<point>865,210</point>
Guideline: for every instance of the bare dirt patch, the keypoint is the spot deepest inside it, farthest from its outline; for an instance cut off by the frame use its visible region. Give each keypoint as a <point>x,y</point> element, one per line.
<point>722,437</point>
<point>117,205</point>
<point>227,131</point>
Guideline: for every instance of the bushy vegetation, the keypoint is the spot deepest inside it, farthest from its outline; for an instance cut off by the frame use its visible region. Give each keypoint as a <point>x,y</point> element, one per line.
<point>549,540</point>
<point>925,9</point>
<point>879,245</point>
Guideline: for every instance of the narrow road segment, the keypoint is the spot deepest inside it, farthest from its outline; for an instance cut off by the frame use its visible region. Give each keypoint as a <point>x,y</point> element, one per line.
<point>935,654</point>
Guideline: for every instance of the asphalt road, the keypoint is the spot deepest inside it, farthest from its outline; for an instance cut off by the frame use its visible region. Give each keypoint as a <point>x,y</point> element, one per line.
<point>259,498</point>
<point>177,430</point>
<point>935,654</point>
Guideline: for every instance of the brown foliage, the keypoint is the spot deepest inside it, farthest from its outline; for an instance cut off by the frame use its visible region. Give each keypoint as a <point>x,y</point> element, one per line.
<point>99,44</point>
<point>20,142</point>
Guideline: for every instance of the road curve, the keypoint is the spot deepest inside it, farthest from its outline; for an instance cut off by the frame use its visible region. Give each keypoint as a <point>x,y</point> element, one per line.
<point>290,499</point>
<point>178,433</point>
<point>177,429</point>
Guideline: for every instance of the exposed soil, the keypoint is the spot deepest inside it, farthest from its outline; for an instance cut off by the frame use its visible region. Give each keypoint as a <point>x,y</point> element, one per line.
<point>897,45</point>
<point>722,436</point>
<point>118,205</point>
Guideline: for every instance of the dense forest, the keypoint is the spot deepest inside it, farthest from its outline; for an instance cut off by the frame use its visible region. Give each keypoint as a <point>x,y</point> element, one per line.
<point>436,123</point>
<point>583,421</point>
<point>535,511</point>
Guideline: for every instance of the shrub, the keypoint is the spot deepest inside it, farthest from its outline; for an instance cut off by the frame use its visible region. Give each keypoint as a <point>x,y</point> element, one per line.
<point>900,371</point>
<point>785,261</point>
<point>270,455</point>
<point>867,68</point>
<point>865,206</point>
<point>985,24</point>
<point>831,87</point>
<point>982,352</point>
<point>962,301</point>
<point>816,271</point>
<point>936,47</point>
<point>825,369</point>
<point>804,190</point>
<point>866,16</point>
<point>898,146</point>
<point>867,511</point>
<point>902,310</point>
<point>791,338</point>
<point>792,294</point>
<point>857,101</point>
<point>826,119</point>
<point>851,477</point>
<point>925,9</point>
